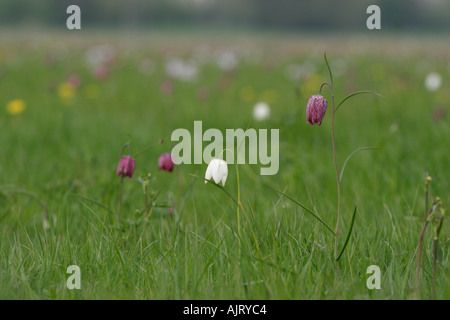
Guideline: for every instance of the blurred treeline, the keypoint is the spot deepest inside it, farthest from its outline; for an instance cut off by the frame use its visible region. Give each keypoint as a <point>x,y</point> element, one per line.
<point>426,15</point>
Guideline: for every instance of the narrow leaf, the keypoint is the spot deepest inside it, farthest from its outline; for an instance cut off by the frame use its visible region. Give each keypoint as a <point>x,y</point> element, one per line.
<point>348,235</point>
<point>329,69</point>
<point>354,94</point>
<point>351,155</point>
<point>92,200</point>
<point>223,189</point>
<point>307,210</point>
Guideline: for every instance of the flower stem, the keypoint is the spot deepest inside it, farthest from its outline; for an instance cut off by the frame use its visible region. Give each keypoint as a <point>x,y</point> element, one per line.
<point>435,247</point>
<point>337,180</point>
<point>120,199</point>
<point>146,200</point>
<point>436,243</point>
<point>421,236</point>
<point>238,204</point>
<point>333,137</point>
<point>419,253</point>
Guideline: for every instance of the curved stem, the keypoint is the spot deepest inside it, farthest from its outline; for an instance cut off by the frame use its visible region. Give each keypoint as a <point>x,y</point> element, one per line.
<point>221,153</point>
<point>126,145</point>
<point>331,88</point>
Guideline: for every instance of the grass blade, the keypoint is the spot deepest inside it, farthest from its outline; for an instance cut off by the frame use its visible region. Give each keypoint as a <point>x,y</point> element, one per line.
<point>92,200</point>
<point>355,94</point>
<point>348,235</point>
<point>307,210</point>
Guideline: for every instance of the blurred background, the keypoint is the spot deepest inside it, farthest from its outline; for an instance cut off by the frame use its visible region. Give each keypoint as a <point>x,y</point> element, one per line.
<point>329,15</point>
<point>137,70</point>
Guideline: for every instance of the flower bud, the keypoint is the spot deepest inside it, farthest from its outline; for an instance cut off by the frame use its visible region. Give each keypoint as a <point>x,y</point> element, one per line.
<point>217,170</point>
<point>126,167</point>
<point>315,110</point>
<point>165,162</point>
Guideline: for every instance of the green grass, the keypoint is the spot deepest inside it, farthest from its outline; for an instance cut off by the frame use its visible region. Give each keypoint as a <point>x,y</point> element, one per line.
<point>63,153</point>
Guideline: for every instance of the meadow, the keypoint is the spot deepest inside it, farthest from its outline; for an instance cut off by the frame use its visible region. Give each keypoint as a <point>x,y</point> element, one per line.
<point>70,101</point>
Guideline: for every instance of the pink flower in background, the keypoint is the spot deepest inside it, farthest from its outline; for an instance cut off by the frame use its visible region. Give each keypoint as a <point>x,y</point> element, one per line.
<point>439,114</point>
<point>202,93</point>
<point>74,81</point>
<point>101,72</point>
<point>166,87</point>
<point>223,83</point>
<point>315,110</point>
<point>126,166</point>
<point>165,162</point>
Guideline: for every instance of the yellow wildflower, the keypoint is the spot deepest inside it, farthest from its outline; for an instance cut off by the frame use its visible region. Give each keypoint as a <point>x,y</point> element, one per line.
<point>15,106</point>
<point>269,95</point>
<point>66,90</point>
<point>312,85</point>
<point>247,94</point>
<point>91,91</point>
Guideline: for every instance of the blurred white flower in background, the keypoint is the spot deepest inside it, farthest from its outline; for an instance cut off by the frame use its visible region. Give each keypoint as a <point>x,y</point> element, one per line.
<point>227,60</point>
<point>293,71</point>
<point>433,81</point>
<point>308,68</point>
<point>99,55</point>
<point>261,111</point>
<point>297,71</point>
<point>179,69</point>
<point>394,127</point>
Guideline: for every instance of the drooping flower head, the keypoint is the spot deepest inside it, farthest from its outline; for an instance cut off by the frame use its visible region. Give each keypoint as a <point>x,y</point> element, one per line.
<point>217,170</point>
<point>315,110</point>
<point>165,162</point>
<point>126,166</point>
